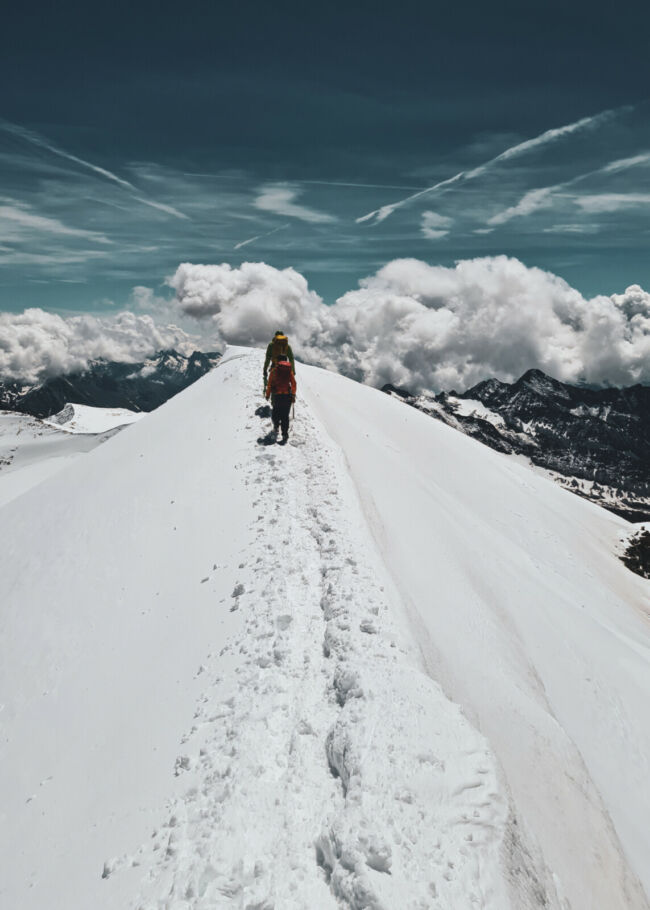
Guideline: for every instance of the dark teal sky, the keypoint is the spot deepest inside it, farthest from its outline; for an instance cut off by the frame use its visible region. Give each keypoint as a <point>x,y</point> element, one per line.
<point>133,139</point>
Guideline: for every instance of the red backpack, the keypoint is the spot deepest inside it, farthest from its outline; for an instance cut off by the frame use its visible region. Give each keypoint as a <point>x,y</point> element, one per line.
<point>282,375</point>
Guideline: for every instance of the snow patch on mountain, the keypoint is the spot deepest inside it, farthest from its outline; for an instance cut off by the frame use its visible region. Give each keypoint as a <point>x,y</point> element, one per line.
<point>80,418</point>
<point>467,407</point>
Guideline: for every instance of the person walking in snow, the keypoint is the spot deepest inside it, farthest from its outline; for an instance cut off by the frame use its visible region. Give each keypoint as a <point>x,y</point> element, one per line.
<point>278,345</point>
<point>281,389</point>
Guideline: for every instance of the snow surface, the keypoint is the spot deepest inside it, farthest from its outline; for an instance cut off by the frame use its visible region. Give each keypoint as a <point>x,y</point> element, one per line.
<point>81,418</point>
<point>31,450</point>
<point>380,667</point>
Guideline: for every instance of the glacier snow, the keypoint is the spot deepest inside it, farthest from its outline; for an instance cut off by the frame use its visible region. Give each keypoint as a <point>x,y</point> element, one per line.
<point>380,667</point>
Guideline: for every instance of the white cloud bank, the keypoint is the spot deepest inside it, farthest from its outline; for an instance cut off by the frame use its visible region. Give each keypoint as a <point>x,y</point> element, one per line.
<point>35,344</point>
<point>430,327</point>
<point>412,324</point>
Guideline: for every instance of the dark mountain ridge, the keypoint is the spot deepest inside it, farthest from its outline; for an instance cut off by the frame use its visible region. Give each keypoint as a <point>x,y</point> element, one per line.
<point>109,384</point>
<point>595,442</point>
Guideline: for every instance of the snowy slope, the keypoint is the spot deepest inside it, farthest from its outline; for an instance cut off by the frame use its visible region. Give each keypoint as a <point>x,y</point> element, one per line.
<point>32,450</point>
<point>527,619</point>
<point>379,667</point>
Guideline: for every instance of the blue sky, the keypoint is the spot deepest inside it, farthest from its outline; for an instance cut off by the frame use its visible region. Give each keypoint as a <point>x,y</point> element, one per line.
<point>142,138</point>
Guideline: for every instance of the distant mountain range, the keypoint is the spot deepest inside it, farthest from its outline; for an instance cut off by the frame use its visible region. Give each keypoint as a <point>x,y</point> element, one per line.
<point>107,384</point>
<point>595,442</point>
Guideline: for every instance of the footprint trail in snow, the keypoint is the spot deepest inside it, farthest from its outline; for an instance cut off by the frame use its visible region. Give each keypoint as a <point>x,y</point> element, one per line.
<point>323,767</point>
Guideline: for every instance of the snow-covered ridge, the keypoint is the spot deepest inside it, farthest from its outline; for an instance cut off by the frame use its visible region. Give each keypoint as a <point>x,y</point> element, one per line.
<point>380,667</point>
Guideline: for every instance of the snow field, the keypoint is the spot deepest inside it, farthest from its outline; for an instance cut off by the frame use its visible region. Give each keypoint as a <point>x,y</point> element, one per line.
<point>221,668</point>
<point>528,620</point>
<point>103,624</point>
<point>31,450</point>
<point>81,418</point>
<point>329,770</point>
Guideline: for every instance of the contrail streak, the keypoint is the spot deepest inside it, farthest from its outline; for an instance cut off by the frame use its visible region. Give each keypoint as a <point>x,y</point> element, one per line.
<point>169,209</point>
<point>39,142</point>
<point>550,136</point>
<point>521,148</point>
<point>371,186</point>
<point>242,243</point>
<point>386,210</point>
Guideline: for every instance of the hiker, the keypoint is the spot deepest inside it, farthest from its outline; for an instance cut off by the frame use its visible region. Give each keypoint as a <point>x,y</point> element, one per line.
<point>278,345</point>
<point>281,388</point>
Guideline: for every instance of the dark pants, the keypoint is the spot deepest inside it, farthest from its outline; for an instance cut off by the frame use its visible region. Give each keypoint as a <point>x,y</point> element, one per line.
<point>280,414</point>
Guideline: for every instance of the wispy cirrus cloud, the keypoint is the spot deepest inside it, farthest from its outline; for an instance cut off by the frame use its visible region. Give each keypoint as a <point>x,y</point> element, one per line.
<point>611,202</point>
<point>63,209</point>
<point>48,146</point>
<point>547,137</point>
<point>550,136</point>
<point>382,213</point>
<point>162,207</point>
<point>625,163</point>
<point>571,229</point>
<point>278,198</point>
<point>40,142</point>
<point>53,258</point>
<point>435,226</point>
<point>37,240</point>
<point>17,217</point>
<point>532,201</point>
<point>546,197</point>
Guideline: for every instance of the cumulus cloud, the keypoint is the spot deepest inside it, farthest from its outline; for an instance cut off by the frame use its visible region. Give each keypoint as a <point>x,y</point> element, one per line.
<point>35,344</point>
<point>431,327</point>
<point>279,199</point>
<point>246,305</point>
<point>412,324</point>
<point>635,302</point>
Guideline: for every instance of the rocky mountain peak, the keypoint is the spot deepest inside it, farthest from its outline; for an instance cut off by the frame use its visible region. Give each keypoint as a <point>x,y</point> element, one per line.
<point>110,384</point>
<point>595,442</point>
